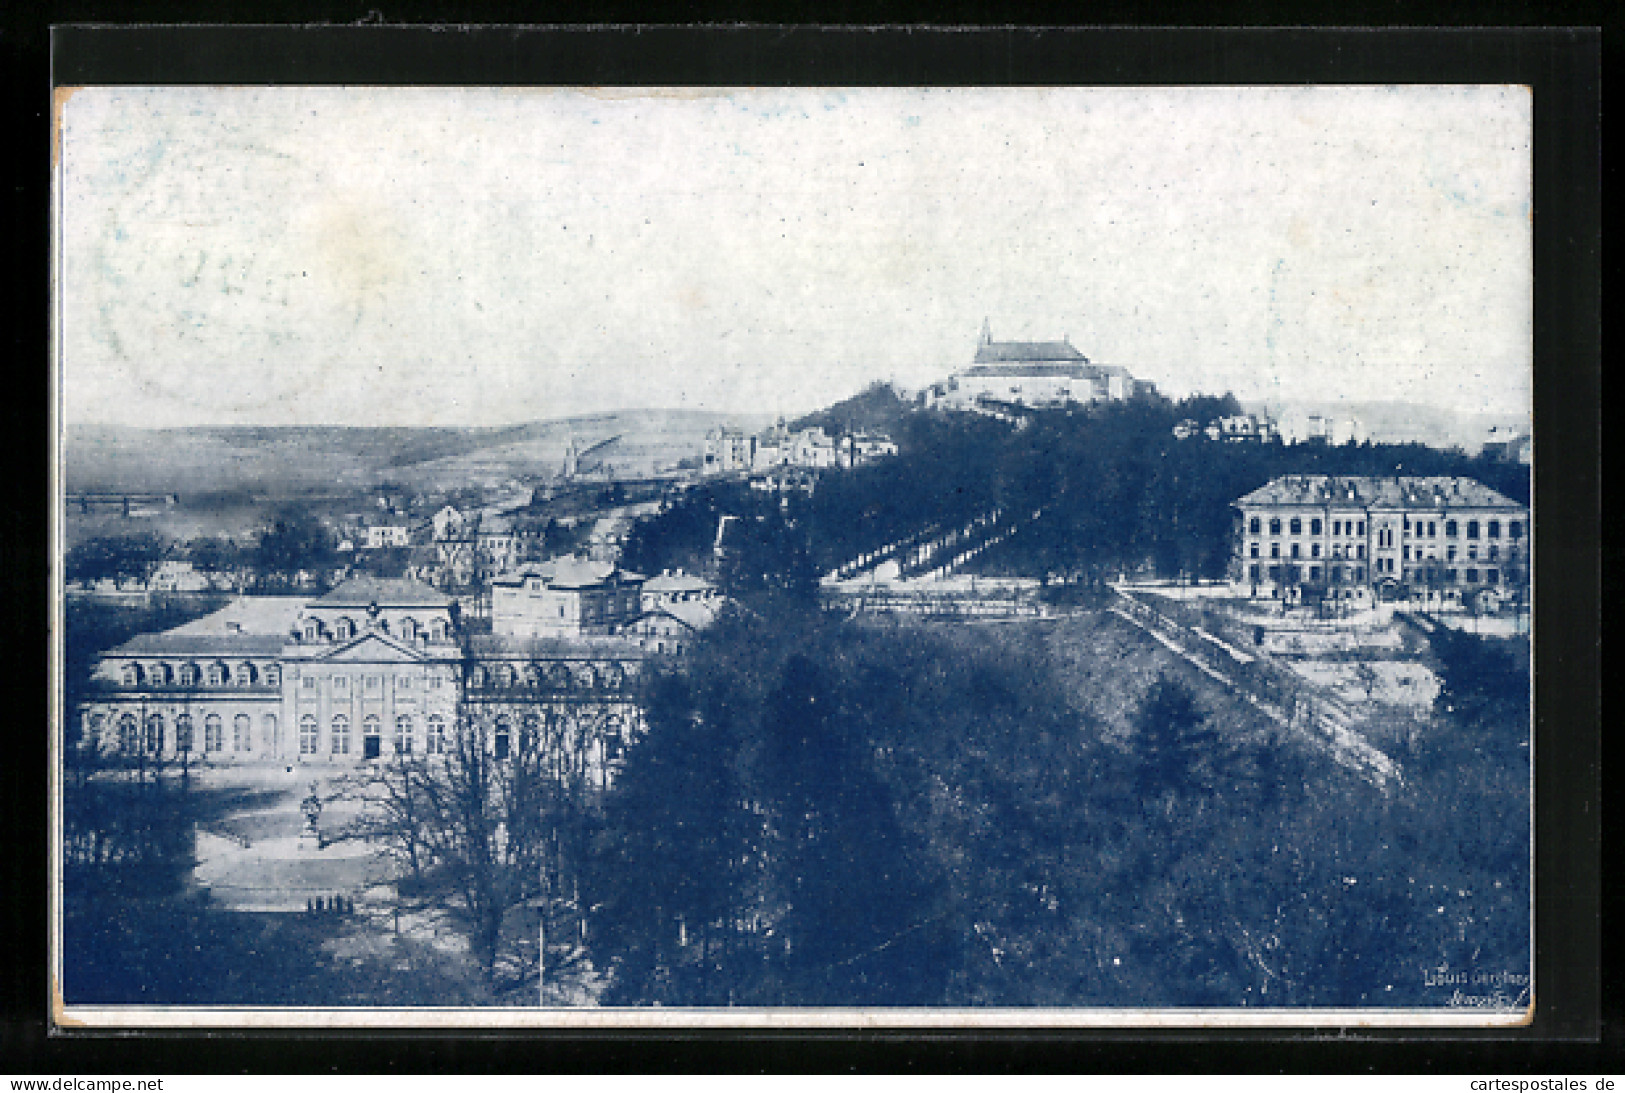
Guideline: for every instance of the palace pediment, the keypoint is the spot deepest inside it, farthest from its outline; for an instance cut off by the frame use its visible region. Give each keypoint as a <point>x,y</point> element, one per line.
<point>373,648</point>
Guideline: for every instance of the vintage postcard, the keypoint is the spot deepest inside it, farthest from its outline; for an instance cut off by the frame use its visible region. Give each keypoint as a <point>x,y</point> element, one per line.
<point>921,557</point>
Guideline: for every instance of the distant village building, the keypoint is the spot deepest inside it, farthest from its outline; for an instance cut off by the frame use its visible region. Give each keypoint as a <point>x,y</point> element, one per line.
<point>729,450</point>
<point>1034,375</point>
<point>1347,538</point>
<point>1508,446</point>
<point>564,598</point>
<point>386,534</point>
<point>1311,428</point>
<point>857,449</point>
<point>374,670</point>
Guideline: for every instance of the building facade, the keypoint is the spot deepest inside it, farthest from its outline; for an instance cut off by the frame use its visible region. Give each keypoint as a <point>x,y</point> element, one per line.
<point>565,598</point>
<point>1034,375</point>
<point>372,670</point>
<point>1443,540</point>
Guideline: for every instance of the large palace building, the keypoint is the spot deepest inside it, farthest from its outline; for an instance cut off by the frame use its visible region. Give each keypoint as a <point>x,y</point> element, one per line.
<point>373,669</point>
<point>1397,537</point>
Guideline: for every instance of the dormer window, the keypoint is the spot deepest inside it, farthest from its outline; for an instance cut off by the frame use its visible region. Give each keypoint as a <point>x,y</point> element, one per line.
<point>409,629</point>
<point>313,630</point>
<point>344,629</point>
<point>217,675</point>
<point>132,675</point>
<point>189,675</point>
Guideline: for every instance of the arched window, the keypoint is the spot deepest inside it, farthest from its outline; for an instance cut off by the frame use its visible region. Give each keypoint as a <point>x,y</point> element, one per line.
<point>183,733</point>
<point>503,742</point>
<point>242,733</point>
<point>213,734</point>
<point>268,739</point>
<point>372,735</point>
<point>132,674</point>
<point>190,675</point>
<point>403,735</point>
<point>436,743</point>
<point>129,736</point>
<point>152,741</point>
<point>339,735</point>
<point>307,734</point>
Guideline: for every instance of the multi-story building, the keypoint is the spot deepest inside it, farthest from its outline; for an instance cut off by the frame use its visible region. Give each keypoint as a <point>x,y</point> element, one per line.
<point>1033,375</point>
<point>1348,538</point>
<point>565,598</point>
<point>373,669</point>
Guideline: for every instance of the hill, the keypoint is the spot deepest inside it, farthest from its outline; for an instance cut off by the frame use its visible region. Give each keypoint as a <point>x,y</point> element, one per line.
<point>286,461</point>
<point>878,408</point>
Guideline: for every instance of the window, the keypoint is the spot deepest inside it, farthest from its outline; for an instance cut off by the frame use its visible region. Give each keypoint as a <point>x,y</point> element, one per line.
<point>217,675</point>
<point>313,630</point>
<point>1407,553</point>
<point>505,676</point>
<point>403,735</point>
<point>1359,571</point>
<point>504,739</point>
<point>403,683</point>
<point>476,677</point>
<point>1492,576</point>
<point>1515,529</point>
<point>1314,573</point>
<point>1275,550</point>
<point>183,733</point>
<point>273,676</point>
<point>129,737</point>
<point>1495,552</point>
<point>374,682</point>
<point>162,676</point>
<point>213,734</point>
<point>1472,576</point>
<point>307,735</point>
<point>1253,525</point>
<point>1295,550</point>
<point>339,738</point>
<point>1253,552</point>
<point>1360,551</point>
<point>245,674</point>
<point>341,683</point>
<point>1433,530</point>
<point>1450,575</point>
<point>1314,526</point>
<point>409,629</point>
<point>132,675</point>
<point>268,739</point>
<point>1337,527</point>
<point>242,733</point>
<point>1297,526</point>
<point>1494,529</point>
<point>189,675</point>
<point>1361,528</point>
<point>309,683</point>
<point>436,742</point>
<point>1252,573</point>
<point>1275,525</point>
<point>344,629</point>
<point>1450,529</point>
<point>1314,550</point>
<point>372,730</point>
<point>1472,550</point>
<point>1450,552</point>
<point>152,741</point>
<point>1472,529</point>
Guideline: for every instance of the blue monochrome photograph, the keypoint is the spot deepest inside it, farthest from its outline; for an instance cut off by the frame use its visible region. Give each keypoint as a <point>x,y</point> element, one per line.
<point>931,557</point>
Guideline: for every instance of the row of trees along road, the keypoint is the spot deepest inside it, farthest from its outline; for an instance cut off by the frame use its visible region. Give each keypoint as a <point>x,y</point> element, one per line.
<point>1118,492</point>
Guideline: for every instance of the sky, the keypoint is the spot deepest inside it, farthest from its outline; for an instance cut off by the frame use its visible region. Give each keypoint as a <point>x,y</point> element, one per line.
<point>435,256</point>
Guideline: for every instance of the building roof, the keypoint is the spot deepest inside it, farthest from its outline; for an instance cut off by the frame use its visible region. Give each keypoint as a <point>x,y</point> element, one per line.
<point>249,626</point>
<point>364,591</point>
<point>570,572</point>
<point>676,582</point>
<point>1395,492</point>
<point>991,352</point>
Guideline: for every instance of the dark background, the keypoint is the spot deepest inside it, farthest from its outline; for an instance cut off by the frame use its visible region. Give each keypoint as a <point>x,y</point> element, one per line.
<point>1574,1029</point>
